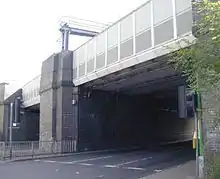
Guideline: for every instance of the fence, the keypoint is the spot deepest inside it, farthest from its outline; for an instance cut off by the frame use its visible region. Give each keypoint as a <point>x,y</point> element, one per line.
<point>31,149</point>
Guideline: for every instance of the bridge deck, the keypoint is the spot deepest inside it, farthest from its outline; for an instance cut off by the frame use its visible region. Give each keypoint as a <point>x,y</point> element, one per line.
<point>155,29</point>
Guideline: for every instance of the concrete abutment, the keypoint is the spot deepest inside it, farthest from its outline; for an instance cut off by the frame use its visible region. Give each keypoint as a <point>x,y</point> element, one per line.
<point>57,121</point>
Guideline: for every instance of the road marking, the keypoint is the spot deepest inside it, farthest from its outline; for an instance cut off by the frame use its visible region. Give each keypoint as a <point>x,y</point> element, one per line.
<point>37,160</point>
<point>91,159</point>
<point>86,164</point>
<point>133,161</point>
<point>101,176</point>
<point>66,162</point>
<point>158,171</point>
<point>110,166</point>
<point>134,168</point>
<point>49,161</point>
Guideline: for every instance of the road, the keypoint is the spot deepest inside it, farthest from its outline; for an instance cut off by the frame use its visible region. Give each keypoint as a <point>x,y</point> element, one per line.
<point>108,165</point>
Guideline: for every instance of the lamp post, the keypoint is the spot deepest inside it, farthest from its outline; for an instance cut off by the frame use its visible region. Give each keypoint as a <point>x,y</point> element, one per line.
<point>10,128</point>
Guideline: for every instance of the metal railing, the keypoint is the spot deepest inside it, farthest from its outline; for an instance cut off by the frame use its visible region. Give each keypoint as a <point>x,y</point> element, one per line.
<point>31,149</point>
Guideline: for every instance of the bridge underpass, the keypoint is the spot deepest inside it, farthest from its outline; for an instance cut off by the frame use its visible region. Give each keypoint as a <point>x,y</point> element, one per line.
<point>117,90</point>
<point>137,107</point>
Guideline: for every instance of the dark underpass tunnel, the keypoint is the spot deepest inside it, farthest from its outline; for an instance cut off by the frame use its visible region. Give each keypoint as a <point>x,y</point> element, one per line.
<point>117,120</point>
<point>28,126</point>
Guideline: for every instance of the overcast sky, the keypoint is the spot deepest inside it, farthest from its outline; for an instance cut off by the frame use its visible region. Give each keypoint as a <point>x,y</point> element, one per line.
<point>29,30</point>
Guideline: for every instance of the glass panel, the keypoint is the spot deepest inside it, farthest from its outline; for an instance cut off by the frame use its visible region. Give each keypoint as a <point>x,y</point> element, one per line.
<point>74,60</point>
<point>91,49</point>
<point>80,54</point>
<point>143,19</point>
<point>100,61</point>
<point>100,43</point>
<point>182,5</point>
<point>126,28</point>
<point>90,65</point>
<point>184,23</point>
<point>162,10</point>
<point>113,36</point>
<point>164,32</point>
<point>112,55</point>
<point>143,41</point>
<point>126,49</point>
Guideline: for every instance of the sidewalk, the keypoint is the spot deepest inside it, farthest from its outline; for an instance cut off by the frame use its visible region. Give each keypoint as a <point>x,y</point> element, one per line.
<point>185,171</point>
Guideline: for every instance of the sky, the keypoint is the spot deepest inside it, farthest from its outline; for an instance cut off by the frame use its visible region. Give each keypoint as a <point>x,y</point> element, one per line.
<point>29,31</point>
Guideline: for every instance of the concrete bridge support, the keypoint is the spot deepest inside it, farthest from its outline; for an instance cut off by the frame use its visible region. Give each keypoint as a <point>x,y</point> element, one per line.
<point>57,121</point>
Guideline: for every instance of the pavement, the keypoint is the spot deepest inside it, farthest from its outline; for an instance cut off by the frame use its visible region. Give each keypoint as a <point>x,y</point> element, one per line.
<point>139,164</point>
<point>185,171</point>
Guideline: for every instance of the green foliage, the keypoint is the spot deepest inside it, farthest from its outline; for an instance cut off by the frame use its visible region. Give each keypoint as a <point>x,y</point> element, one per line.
<point>200,62</point>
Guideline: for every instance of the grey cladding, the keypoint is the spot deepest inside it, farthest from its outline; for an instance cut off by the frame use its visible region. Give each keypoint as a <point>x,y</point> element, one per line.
<point>126,49</point>
<point>82,69</point>
<point>100,61</point>
<point>143,41</point>
<point>184,22</point>
<point>163,32</point>
<point>90,65</point>
<point>112,55</point>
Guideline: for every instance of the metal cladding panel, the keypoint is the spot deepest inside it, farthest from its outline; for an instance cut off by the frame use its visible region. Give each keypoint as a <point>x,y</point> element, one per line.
<point>113,36</point>
<point>74,60</point>
<point>80,55</point>
<point>126,28</point>
<point>182,5</point>
<point>74,65</point>
<point>74,73</point>
<point>184,23</point>
<point>143,41</point>
<point>30,92</point>
<point>162,10</point>
<point>164,32</point>
<point>126,49</point>
<point>112,55</point>
<point>143,19</point>
<point>148,29</point>
<point>91,50</point>
<point>90,65</point>
<point>82,69</point>
<point>100,43</point>
<point>100,61</point>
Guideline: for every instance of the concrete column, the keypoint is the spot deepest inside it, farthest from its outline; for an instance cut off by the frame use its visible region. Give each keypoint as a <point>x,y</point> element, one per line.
<point>48,98</point>
<point>57,121</point>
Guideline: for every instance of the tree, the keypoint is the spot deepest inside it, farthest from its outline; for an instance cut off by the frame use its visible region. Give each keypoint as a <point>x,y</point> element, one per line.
<point>200,64</point>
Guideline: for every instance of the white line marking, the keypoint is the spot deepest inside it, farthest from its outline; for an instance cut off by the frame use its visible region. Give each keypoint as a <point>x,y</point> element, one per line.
<point>66,162</point>
<point>37,160</point>
<point>91,159</point>
<point>158,171</point>
<point>110,166</point>
<point>86,164</point>
<point>49,161</point>
<point>134,168</point>
<point>133,161</point>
